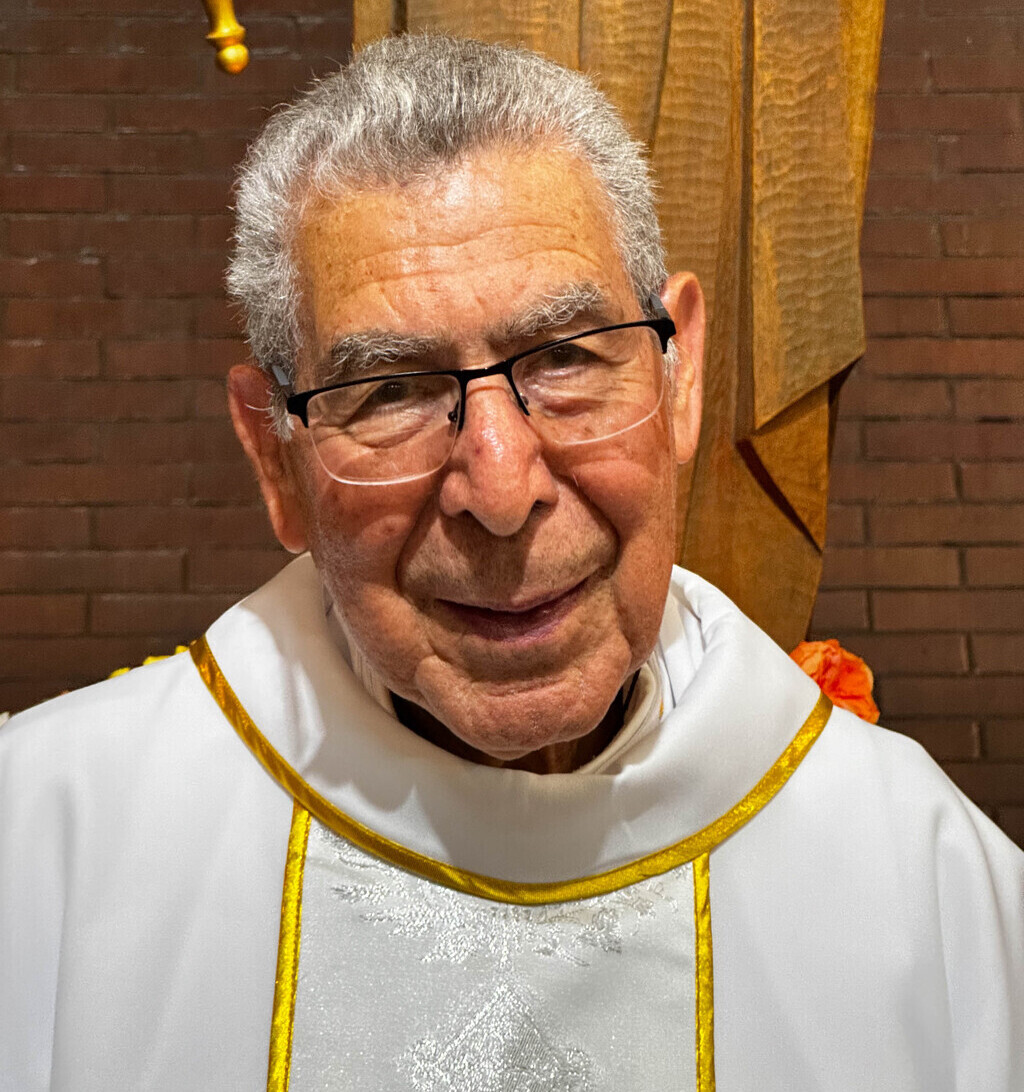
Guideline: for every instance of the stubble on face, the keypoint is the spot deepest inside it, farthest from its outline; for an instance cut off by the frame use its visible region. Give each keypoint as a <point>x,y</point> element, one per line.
<point>516,640</point>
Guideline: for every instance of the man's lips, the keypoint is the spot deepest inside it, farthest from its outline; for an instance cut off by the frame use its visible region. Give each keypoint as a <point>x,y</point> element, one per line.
<point>530,619</point>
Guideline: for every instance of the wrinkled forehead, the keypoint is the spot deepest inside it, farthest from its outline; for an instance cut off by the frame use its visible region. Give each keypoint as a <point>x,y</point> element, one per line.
<point>482,240</point>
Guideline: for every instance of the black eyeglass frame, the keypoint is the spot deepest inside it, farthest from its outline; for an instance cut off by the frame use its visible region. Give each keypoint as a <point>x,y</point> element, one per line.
<point>297,404</point>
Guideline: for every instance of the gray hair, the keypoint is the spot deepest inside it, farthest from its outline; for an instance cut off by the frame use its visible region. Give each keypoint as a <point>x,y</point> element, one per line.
<point>402,110</point>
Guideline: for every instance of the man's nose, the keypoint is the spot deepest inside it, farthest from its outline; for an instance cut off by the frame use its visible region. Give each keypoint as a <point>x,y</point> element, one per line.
<point>497,471</point>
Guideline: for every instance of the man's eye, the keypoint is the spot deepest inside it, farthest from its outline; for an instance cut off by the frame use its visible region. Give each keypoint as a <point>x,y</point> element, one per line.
<point>390,392</point>
<point>561,357</point>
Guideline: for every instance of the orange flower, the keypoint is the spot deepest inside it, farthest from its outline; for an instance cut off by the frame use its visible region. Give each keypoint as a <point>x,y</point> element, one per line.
<point>845,678</point>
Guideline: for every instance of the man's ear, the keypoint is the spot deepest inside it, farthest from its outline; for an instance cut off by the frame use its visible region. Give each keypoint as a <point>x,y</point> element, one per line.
<point>684,301</point>
<point>250,392</point>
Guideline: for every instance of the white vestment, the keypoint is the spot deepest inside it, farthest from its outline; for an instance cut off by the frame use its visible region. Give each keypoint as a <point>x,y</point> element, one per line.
<point>240,855</point>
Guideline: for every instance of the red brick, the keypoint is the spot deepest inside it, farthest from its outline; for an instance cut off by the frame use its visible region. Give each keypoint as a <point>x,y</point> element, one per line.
<point>79,319</point>
<point>992,481</point>
<point>995,566</point>
<point>839,611</point>
<point>112,7</point>
<point>908,113</point>
<point>93,484</point>
<point>212,357</point>
<point>948,195</point>
<point>284,75</point>
<point>220,153</point>
<point>23,694</point>
<point>183,274</point>
<point>151,526</point>
<point>983,238</point>
<point>927,356</point>
<point>214,232</point>
<point>956,33</point>
<point>234,570</point>
<point>31,235</point>
<point>845,524</point>
<point>95,400</point>
<point>910,654</point>
<point>203,113</point>
<point>124,152</point>
<point>949,610</point>
<point>892,482</point>
<point>46,193</point>
<point>865,397</point>
<point>999,654</point>
<point>54,113</point>
<point>326,33</point>
<point>896,315</point>
<point>91,571</point>
<point>989,782</point>
<point>967,696</point>
<point>882,567</point>
<point>39,277</point>
<point>993,73</point>
<point>952,524</point>
<point>87,658</point>
<point>44,528</point>
<point>1004,739</point>
<point>903,155</point>
<point>171,193</point>
<point>986,152</point>
<point>211,398</point>
<point>945,276</point>
<point>39,615</point>
<point>216,318</point>
<point>995,398</point>
<point>846,440</point>
<point>33,442</point>
<point>901,72</point>
<point>945,740</point>
<point>943,439</point>
<point>914,238</point>
<point>78,73</point>
<point>50,35</point>
<point>49,358</point>
<point>182,617</point>
<point>225,483</point>
<point>168,442</point>
<point>987,317</point>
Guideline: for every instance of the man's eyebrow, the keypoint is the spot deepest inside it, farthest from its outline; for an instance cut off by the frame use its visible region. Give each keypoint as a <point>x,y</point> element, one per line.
<point>359,352</point>
<point>559,307</point>
<point>355,353</point>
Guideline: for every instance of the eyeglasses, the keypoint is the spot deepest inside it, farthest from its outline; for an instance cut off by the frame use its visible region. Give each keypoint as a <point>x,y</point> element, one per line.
<point>402,425</point>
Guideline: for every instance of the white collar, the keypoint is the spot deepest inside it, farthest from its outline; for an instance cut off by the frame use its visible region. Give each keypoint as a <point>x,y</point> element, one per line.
<point>738,701</point>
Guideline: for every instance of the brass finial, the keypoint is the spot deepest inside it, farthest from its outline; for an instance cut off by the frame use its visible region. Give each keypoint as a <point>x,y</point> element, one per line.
<point>227,34</point>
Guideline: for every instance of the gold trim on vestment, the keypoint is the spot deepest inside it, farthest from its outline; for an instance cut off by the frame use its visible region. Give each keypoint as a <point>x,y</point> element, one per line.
<point>488,887</point>
<point>703,976</point>
<point>283,1018</point>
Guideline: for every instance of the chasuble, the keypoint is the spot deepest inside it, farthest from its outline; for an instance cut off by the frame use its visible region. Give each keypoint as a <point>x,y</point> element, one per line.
<point>235,869</point>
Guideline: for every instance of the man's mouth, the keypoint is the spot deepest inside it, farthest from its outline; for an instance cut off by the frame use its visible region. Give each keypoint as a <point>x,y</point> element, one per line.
<point>531,619</point>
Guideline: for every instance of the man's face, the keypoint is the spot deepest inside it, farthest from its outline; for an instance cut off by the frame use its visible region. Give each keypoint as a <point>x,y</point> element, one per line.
<point>511,592</point>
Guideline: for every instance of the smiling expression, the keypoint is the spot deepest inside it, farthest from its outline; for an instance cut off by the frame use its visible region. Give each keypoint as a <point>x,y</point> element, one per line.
<point>511,592</point>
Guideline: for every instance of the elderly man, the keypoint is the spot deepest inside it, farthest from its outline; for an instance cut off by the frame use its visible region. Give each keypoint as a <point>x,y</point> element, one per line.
<point>448,803</point>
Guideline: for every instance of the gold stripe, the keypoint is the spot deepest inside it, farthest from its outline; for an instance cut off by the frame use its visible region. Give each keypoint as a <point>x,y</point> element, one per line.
<point>283,1019</point>
<point>488,887</point>
<point>703,976</point>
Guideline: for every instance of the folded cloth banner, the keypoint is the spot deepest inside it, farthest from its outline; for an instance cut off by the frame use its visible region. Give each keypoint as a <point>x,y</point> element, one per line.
<point>758,117</point>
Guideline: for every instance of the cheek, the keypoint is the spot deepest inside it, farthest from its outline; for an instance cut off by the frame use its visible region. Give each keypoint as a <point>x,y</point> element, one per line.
<point>361,531</point>
<point>635,493</point>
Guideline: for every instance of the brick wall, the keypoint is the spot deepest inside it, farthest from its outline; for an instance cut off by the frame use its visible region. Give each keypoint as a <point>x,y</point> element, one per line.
<point>924,572</point>
<point>127,518</point>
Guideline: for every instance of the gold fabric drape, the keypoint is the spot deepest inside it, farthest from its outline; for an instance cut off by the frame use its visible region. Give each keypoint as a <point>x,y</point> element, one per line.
<point>758,118</point>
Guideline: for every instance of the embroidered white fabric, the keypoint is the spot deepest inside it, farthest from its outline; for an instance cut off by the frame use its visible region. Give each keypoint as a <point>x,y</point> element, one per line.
<point>408,985</point>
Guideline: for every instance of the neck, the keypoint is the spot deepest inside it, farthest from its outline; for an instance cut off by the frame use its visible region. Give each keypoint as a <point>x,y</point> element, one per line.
<point>555,758</point>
